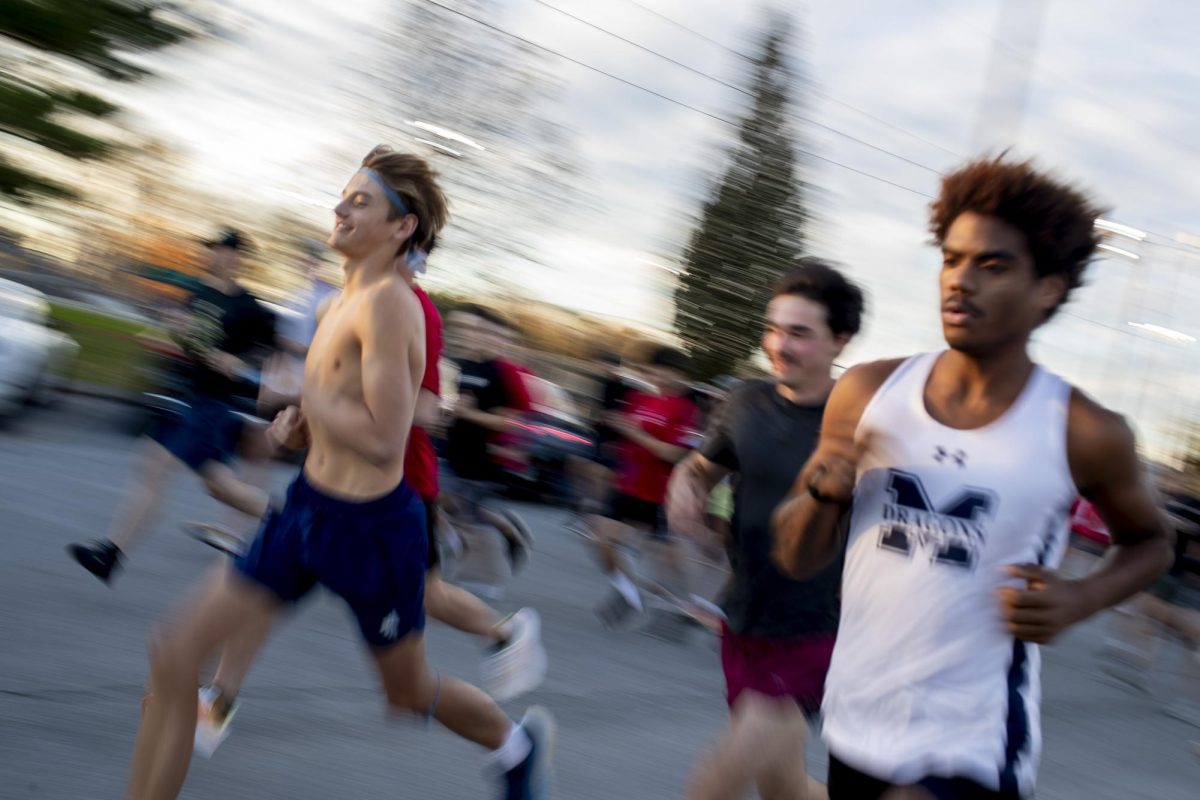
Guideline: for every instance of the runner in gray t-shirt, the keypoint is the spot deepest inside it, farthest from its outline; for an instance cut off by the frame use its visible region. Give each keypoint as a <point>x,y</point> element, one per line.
<point>778,638</point>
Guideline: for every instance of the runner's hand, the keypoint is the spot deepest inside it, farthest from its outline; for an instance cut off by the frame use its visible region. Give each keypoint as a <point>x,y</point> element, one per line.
<point>289,429</point>
<point>226,364</point>
<point>832,471</point>
<point>686,501</point>
<point>465,405</point>
<point>1047,606</point>
<point>280,383</point>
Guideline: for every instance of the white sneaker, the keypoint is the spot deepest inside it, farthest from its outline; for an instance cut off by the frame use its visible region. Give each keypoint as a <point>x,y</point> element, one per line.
<point>211,727</point>
<point>217,537</point>
<point>519,665</point>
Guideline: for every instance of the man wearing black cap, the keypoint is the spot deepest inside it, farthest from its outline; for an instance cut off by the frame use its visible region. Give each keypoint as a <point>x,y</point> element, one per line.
<point>225,331</point>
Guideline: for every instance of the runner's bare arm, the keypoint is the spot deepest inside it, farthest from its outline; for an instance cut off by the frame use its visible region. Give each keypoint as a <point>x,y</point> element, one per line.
<point>377,427</point>
<point>500,420</point>
<point>1106,469</point>
<point>631,430</point>
<point>692,481</point>
<point>429,410</point>
<point>805,525</point>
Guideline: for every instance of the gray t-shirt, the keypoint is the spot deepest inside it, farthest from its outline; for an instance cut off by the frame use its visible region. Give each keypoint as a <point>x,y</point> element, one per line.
<point>764,440</point>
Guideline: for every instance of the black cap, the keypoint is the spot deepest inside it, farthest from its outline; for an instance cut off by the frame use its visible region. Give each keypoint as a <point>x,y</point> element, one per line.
<point>230,238</point>
<point>670,358</point>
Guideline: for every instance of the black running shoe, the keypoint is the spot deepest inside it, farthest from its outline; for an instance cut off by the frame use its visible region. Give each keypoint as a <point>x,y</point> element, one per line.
<point>102,558</point>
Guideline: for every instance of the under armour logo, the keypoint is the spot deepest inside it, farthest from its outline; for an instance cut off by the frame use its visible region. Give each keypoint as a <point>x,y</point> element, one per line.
<point>958,456</point>
<point>390,625</point>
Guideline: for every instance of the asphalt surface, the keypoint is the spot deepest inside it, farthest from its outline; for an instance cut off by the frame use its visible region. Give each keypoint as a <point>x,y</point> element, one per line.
<point>633,711</point>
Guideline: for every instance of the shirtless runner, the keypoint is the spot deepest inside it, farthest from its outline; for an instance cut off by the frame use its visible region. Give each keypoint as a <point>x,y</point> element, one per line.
<point>350,522</point>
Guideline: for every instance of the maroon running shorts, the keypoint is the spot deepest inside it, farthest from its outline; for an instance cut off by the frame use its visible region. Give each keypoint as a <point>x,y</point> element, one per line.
<point>792,667</point>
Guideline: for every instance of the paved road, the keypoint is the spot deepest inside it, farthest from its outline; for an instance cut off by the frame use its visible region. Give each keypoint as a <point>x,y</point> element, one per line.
<point>633,711</point>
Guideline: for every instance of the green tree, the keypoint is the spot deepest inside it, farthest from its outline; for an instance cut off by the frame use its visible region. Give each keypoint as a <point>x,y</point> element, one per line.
<point>751,227</point>
<point>40,105</point>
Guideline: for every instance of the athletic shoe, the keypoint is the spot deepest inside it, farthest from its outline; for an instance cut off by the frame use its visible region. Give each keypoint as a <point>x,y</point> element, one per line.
<point>577,524</point>
<point>1184,710</point>
<point>452,542</point>
<point>530,780</point>
<point>102,558</point>
<point>217,537</point>
<point>703,614</point>
<point>668,625</point>
<point>519,549</point>
<point>212,721</point>
<point>517,665</point>
<point>616,611</point>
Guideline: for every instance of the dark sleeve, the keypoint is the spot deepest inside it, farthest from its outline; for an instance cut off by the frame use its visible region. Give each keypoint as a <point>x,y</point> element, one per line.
<point>718,445</point>
<point>266,328</point>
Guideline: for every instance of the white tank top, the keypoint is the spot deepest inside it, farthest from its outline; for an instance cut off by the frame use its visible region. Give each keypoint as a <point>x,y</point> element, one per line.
<point>925,681</point>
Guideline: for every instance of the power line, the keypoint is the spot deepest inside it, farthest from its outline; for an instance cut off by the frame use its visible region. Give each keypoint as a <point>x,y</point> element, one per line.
<point>830,98</point>
<point>818,92</point>
<point>660,95</point>
<point>1031,57</point>
<point>693,32</point>
<point>739,89</point>
<point>641,47</point>
<point>577,62</point>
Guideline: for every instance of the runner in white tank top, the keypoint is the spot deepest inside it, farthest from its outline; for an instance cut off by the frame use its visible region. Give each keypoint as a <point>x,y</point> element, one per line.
<point>937,514</point>
<point>958,470</point>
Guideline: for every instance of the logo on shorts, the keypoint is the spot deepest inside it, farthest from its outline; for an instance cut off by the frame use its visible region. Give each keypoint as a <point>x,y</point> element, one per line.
<point>390,625</point>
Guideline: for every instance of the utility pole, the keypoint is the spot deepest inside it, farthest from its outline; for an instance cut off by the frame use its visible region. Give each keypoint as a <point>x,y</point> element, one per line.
<point>1018,33</point>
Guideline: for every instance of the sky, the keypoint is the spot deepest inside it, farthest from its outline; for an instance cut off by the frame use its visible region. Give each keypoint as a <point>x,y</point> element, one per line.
<point>920,84</point>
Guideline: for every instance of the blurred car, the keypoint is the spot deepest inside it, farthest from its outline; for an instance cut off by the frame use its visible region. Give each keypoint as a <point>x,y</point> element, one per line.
<point>31,350</point>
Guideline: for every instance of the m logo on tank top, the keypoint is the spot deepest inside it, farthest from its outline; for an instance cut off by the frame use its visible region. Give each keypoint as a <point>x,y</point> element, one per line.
<point>950,533</point>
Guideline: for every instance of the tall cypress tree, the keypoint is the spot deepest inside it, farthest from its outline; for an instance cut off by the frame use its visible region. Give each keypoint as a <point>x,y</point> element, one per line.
<point>750,228</point>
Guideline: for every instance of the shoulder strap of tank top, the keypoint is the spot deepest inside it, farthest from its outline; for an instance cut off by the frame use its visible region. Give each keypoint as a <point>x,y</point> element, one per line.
<point>913,370</point>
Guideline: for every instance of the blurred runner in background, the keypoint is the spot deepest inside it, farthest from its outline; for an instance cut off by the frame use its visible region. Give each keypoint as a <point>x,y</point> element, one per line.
<point>227,333</point>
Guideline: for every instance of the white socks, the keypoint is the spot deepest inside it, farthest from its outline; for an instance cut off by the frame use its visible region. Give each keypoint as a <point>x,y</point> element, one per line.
<point>514,750</point>
<point>621,582</point>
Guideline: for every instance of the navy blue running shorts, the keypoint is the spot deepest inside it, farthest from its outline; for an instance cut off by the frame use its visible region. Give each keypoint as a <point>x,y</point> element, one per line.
<point>208,430</point>
<point>370,553</point>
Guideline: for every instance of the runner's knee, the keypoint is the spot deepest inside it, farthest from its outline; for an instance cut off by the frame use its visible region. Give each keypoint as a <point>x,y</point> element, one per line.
<point>215,484</point>
<point>413,697</point>
<point>172,659</point>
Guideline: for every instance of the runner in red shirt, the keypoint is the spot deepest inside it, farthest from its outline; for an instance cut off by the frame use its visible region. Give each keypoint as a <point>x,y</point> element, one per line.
<point>656,431</point>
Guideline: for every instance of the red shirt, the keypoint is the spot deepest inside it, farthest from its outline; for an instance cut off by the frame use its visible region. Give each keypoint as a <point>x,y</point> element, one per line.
<point>1085,521</point>
<point>674,420</point>
<point>515,386</point>
<point>513,375</point>
<point>420,460</point>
